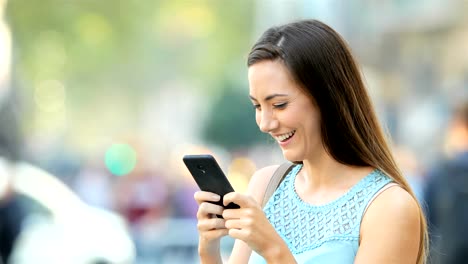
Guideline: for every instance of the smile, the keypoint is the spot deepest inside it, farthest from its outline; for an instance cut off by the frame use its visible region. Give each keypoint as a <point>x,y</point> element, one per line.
<point>285,137</point>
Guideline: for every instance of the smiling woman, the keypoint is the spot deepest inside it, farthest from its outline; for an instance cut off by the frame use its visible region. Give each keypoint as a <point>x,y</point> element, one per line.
<point>344,200</point>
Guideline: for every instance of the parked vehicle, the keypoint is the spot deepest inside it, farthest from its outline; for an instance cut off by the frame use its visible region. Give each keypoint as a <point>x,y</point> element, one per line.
<point>59,228</point>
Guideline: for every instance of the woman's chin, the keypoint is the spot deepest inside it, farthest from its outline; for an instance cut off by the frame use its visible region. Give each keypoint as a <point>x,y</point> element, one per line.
<point>291,156</point>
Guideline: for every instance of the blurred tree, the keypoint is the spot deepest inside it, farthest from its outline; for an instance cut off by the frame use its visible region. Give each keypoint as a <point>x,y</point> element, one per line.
<point>232,121</point>
<point>105,56</point>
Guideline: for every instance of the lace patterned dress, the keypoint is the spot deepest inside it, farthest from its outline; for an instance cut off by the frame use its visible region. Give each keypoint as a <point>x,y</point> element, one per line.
<point>321,234</point>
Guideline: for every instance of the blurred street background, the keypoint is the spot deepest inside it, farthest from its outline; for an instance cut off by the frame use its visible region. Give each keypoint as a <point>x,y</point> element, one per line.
<point>111,94</point>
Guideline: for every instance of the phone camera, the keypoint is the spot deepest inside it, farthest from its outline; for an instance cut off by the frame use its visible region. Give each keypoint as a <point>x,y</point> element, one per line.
<point>201,168</point>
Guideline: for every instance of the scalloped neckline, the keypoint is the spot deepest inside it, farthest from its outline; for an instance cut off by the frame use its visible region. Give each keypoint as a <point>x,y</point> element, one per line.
<point>349,192</point>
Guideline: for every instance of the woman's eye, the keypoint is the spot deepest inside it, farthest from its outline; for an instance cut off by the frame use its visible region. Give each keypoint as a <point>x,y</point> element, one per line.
<point>256,106</point>
<point>280,106</point>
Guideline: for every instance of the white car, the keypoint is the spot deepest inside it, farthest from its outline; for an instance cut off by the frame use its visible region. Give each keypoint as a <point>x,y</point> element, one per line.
<point>71,231</point>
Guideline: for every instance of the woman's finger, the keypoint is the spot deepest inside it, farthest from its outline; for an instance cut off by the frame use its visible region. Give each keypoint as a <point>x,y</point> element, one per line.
<point>211,224</point>
<point>215,234</point>
<point>240,199</point>
<point>239,213</point>
<point>201,196</point>
<point>206,209</point>
<point>241,234</point>
<point>233,223</point>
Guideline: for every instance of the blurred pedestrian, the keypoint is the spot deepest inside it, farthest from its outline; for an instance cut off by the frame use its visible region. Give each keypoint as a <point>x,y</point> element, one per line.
<point>344,199</point>
<point>446,195</point>
<point>12,211</point>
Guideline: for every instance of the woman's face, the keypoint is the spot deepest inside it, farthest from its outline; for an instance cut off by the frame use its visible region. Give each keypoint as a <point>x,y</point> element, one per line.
<point>283,110</point>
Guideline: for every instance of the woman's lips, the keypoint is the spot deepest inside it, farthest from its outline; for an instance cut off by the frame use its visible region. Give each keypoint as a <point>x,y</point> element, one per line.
<point>286,138</point>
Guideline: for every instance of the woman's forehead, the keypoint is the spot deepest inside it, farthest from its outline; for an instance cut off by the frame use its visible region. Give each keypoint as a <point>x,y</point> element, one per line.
<point>270,76</point>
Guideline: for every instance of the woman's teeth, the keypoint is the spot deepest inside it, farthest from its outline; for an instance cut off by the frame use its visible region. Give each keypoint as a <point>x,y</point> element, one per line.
<point>285,136</point>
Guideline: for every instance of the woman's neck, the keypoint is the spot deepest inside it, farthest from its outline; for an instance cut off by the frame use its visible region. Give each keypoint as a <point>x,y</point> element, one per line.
<point>322,172</point>
<point>323,180</point>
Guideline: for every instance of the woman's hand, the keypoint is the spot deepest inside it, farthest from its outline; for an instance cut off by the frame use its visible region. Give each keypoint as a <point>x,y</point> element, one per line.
<point>250,225</point>
<point>210,227</point>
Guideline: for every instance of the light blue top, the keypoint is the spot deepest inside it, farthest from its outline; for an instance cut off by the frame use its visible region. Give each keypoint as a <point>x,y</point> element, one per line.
<point>321,234</point>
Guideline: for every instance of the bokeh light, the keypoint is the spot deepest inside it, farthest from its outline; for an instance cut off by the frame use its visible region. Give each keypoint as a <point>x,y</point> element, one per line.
<point>239,173</point>
<point>94,29</point>
<point>49,56</point>
<point>50,96</point>
<point>120,159</point>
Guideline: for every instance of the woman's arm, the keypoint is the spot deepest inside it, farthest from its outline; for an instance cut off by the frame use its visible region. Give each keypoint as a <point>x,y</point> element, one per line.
<point>390,229</point>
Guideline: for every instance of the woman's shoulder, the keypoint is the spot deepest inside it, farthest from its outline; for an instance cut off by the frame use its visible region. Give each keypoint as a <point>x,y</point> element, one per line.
<point>259,181</point>
<point>391,206</point>
<point>392,221</point>
<point>396,199</point>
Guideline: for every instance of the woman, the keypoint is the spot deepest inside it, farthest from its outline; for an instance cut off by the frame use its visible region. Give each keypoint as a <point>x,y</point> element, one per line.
<point>345,201</point>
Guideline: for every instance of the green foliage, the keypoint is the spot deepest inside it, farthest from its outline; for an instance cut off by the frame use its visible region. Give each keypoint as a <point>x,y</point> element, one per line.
<point>232,121</point>
<point>127,42</point>
<point>100,50</point>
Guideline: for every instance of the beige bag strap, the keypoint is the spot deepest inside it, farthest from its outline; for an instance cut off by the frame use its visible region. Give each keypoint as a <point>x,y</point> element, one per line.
<point>275,180</point>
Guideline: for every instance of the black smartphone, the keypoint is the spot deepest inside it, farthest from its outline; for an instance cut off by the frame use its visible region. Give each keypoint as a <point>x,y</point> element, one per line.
<point>209,176</point>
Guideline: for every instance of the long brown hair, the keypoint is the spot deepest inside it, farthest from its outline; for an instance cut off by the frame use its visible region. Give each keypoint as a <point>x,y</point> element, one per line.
<point>319,60</point>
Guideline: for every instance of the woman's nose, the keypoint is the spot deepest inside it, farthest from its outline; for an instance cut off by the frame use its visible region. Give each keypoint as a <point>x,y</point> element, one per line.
<point>268,122</point>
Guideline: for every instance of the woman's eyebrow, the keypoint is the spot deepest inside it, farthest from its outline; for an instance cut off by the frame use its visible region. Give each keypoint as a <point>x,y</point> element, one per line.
<point>269,97</point>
